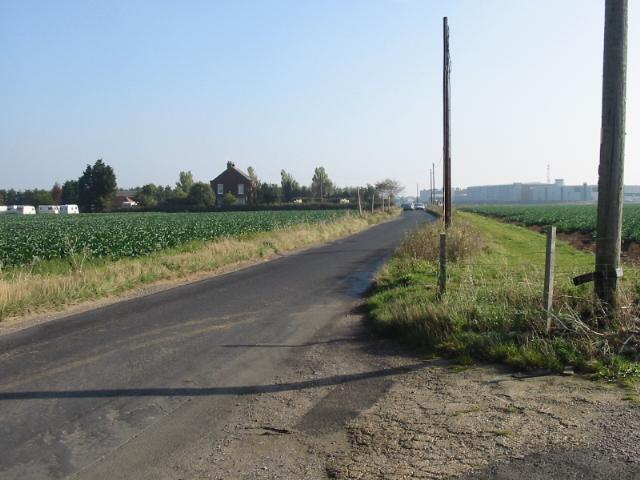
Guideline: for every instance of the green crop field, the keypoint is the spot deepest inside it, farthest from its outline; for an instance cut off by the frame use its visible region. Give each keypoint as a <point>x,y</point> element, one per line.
<point>33,238</point>
<point>567,218</point>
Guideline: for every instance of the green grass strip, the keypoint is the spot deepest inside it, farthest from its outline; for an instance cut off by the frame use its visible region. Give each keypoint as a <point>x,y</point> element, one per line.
<point>493,306</point>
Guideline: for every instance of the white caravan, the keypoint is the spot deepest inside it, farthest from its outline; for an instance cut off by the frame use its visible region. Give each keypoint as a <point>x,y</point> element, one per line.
<point>21,209</point>
<point>49,209</point>
<point>71,208</point>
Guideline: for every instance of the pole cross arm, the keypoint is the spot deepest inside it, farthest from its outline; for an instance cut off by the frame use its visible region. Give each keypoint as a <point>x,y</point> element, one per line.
<point>601,275</point>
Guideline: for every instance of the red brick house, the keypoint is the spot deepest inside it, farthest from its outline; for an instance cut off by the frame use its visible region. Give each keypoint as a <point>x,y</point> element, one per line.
<point>232,181</point>
<point>124,197</point>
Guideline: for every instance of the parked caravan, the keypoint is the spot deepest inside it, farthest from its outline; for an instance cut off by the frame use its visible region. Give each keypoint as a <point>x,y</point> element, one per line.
<point>71,208</point>
<point>21,209</point>
<point>49,209</point>
<point>3,209</point>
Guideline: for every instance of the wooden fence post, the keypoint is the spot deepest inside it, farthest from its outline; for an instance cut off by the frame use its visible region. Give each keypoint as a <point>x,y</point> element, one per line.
<point>442,278</point>
<point>549,274</point>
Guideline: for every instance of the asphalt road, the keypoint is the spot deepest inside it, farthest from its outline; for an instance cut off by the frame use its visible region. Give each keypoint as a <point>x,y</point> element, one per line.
<point>125,387</point>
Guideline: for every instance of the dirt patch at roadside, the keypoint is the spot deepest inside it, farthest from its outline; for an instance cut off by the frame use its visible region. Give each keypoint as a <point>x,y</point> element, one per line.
<point>393,416</point>
<point>438,424</point>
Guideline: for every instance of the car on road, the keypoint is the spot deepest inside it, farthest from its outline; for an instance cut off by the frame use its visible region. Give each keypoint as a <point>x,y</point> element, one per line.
<point>407,206</point>
<point>419,206</point>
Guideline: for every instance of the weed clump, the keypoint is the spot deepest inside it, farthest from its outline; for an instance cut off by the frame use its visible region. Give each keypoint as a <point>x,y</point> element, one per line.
<point>463,242</point>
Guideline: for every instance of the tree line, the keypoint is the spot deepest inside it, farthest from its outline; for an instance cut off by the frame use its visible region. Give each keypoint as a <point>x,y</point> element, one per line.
<point>95,191</point>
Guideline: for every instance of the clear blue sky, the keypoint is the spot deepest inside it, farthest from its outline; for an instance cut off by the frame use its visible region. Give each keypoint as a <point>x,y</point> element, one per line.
<point>158,87</point>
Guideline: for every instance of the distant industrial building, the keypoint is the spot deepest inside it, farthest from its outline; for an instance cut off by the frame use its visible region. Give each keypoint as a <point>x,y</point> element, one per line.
<point>528,194</point>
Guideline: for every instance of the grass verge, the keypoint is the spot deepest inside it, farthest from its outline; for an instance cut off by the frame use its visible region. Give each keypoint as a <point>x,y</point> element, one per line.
<point>50,286</point>
<point>493,307</point>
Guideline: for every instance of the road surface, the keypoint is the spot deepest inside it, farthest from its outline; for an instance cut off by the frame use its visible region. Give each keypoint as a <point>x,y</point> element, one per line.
<point>125,390</point>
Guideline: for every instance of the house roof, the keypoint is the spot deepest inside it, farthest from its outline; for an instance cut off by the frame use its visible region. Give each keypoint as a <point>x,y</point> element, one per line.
<point>126,193</point>
<point>232,166</point>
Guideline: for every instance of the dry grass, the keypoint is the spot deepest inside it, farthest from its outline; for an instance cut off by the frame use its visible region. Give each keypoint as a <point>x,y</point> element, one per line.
<point>23,292</point>
<point>461,243</point>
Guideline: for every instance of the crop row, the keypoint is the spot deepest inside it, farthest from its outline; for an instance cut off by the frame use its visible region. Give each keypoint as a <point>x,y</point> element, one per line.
<point>29,239</point>
<point>567,218</point>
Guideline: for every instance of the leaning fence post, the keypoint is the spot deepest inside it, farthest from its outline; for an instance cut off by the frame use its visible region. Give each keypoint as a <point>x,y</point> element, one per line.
<point>442,279</point>
<point>549,274</point>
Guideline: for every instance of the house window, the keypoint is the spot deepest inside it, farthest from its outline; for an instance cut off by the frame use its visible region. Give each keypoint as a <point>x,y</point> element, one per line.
<point>240,189</point>
<point>241,201</point>
<point>220,189</point>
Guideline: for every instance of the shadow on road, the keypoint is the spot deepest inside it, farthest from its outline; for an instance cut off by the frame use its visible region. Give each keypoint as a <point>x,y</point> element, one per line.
<point>210,391</point>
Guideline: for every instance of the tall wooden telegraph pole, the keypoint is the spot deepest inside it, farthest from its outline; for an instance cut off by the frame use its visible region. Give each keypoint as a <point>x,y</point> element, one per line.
<point>447,128</point>
<point>610,182</point>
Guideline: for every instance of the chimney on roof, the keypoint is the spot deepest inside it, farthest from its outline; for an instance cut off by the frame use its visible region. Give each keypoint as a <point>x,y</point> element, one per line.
<point>231,165</point>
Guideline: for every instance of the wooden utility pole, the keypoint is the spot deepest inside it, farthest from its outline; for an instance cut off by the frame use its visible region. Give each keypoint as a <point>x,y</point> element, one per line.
<point>430,187</point>
<point>610,181</point>
<point>447,128</point>
<point>433,182</point>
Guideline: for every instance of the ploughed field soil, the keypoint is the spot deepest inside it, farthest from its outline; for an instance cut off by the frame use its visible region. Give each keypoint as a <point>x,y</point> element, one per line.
<point>630,251</point>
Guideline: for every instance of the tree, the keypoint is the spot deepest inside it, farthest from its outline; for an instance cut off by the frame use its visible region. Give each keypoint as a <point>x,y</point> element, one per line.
<point>368,193</point>
<point>229,200</point>
<point>2,197</point>
<point>183,186</point>
<point>304,192</point>
<point>44,198</point>
<point>321,185</point>
<point>289,186</point>
<point>201,194</point>
<point>148,195</point>
<point>97,187</point>
<point>268,193</point>
<point>28,197</point>
<point>69,192</point>
<point>164,193</point>
<point>56,193</point>
<point>389,188</point>
<point>255,185</point>
<point>10,197</point>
